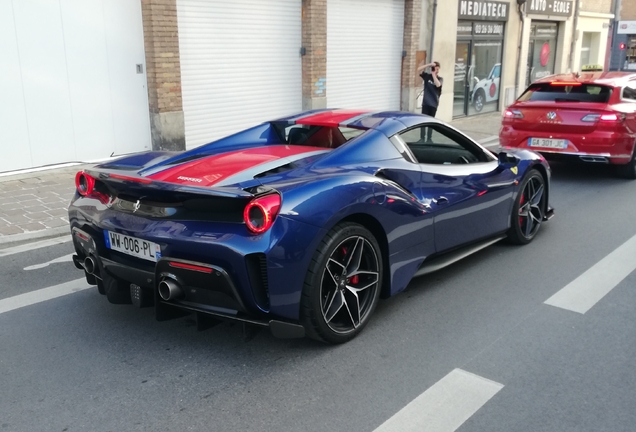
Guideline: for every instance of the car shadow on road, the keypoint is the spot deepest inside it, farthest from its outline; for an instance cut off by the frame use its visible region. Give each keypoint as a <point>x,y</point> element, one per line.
<point>584,173</point>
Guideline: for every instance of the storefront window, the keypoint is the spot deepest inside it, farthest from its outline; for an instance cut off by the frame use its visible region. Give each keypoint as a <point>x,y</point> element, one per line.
<point>486,76</point>
<point>542,51</point>
<point>478,56</point>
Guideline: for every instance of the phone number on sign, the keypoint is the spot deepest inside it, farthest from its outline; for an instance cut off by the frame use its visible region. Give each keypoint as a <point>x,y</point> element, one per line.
<point>489,29</point>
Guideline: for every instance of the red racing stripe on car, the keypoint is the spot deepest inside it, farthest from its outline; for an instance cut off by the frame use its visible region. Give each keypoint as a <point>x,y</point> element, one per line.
<point>210,170</point>
<point>330,118</point>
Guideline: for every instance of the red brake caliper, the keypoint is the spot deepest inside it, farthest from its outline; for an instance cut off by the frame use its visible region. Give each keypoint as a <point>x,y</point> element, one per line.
<point>522,200</point>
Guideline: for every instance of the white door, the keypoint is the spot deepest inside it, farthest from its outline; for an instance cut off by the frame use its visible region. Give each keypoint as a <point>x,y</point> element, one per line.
<point>240,64</point>
<point>364,53</point>
<point>72,91</point>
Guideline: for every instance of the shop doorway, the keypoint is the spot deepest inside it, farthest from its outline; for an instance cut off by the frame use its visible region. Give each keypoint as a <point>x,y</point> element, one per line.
<point>542,51</point>
<point>477,77</point>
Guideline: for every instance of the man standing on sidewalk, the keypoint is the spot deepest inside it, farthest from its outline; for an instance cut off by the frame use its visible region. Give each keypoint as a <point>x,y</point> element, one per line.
<point>432,90</point>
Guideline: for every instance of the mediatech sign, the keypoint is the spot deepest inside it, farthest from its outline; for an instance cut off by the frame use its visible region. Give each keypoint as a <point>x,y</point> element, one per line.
<point>550,7</point>
<point>483,10</point>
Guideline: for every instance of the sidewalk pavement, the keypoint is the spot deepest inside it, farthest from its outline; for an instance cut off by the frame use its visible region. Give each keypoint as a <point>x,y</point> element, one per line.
<point>33,205</point>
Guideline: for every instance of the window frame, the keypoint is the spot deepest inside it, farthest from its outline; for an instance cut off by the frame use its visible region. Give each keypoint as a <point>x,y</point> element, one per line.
<point>460,139</point>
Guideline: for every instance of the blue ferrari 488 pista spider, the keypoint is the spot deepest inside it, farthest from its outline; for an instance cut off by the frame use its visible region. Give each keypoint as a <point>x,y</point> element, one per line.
<point>300,224</point>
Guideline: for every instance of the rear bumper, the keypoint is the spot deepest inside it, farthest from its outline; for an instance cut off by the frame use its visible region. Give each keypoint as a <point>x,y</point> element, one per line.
<point>596,147</point>
<point>205,290</point>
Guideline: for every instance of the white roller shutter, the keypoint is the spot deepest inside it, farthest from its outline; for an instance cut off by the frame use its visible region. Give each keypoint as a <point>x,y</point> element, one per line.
<point>364,53</point>
<point>240,64</point>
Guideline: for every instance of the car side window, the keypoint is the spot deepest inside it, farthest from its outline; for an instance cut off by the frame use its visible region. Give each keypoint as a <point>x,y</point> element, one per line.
<point>435,144</point>
<point>496,73</point>
<point>629,92</point>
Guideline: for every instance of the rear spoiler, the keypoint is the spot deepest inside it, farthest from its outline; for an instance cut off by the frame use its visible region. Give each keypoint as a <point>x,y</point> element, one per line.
<point>123,181</point>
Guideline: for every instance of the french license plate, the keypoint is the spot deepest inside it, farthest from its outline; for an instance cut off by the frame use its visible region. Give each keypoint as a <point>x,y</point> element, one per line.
<point>129,245</point>
<point>547,143</point>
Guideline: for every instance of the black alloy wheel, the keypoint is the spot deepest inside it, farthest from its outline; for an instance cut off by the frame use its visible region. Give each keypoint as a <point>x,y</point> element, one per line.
<point>342,285</point>
<point>529,209</point>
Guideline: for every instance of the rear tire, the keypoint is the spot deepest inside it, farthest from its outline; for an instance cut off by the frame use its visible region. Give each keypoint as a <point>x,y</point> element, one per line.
<point>480,99</point>
<point>342,285</point>
<point>528,209</point>
<point>628,171</point>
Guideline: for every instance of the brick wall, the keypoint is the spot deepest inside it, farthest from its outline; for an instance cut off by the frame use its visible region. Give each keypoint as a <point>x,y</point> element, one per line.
<point>412,17</point>
<point>163,71</point>
<point>598,6</point>
<point>314,62</point>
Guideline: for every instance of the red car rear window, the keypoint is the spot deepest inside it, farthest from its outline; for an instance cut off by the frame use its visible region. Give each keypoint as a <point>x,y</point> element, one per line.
<point>567,93</point>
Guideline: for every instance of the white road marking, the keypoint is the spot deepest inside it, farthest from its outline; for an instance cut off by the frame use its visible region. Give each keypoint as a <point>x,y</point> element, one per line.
<point>589,288</point>
<point>445,406</point>
<point>65,258</point>
<point>35,245</point>
<point>42,295</point>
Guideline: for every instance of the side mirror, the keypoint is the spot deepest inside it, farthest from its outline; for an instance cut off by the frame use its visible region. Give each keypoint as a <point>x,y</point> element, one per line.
<point>508,160</point>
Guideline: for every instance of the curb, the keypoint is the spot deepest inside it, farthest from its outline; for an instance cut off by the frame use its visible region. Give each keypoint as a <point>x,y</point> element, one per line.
<point>35,235</point>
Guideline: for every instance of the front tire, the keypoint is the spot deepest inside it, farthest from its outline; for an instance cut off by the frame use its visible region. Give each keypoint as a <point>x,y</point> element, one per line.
<point>342,285</point>
<point>528,209</point>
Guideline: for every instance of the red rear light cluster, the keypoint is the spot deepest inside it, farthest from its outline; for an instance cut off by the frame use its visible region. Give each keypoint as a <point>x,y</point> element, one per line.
<point>260,213</point>
<point>513,114</point>
<point>609,117</point>
<point>85,185</point>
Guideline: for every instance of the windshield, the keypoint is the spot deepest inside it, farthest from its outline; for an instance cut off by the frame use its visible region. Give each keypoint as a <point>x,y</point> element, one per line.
<point>567,93</point>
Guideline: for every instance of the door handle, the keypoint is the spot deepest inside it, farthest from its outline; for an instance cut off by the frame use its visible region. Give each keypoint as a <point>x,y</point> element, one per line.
<point>440,200</point>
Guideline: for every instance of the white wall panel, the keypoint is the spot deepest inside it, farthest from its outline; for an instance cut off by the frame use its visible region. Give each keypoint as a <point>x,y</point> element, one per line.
<point>14,145</point>
<point>70,89</point>
<point>125,49</point>
<point>45,80</point>
<point>88,77</point>
<point>364,55</point>
<point>240,64</point>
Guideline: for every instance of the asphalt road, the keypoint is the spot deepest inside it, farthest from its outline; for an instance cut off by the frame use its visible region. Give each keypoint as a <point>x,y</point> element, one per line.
<point>78,363</point>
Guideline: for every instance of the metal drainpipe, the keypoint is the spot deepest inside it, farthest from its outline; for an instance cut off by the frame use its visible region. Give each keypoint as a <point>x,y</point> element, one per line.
<point>523,23</point>
<point>428,60</point>
<point>575,24</point>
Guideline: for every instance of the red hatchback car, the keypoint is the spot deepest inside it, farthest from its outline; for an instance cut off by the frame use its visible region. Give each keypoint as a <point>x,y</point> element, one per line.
<point>588,116</point>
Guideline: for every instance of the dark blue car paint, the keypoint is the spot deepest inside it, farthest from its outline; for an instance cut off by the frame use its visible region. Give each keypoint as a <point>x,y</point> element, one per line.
<point>366,179</point>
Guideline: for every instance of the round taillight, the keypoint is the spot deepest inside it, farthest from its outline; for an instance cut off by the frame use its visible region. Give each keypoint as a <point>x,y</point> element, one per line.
<point>84,183</point>
<point>260,213</point>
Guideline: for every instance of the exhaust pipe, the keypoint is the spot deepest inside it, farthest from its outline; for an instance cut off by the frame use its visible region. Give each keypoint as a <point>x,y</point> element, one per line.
<point>597,159</point>
<point>169,290</point>
<point>89,265</point>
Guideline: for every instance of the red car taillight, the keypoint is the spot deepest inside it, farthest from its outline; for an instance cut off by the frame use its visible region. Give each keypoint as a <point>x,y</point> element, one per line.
<point>610,117</point>
<point>513,114</point>
<point>85,185</point>
<point>260,213</point>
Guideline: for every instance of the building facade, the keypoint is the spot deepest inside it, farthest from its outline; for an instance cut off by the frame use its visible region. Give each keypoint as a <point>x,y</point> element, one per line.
<point>623,44</point>
<point>90,80</point>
